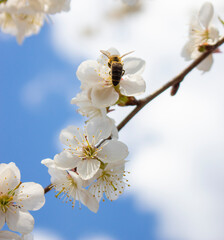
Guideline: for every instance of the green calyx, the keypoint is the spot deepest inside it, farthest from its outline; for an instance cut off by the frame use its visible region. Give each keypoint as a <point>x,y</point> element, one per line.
<point>126,101</point>
<point>202,48</point>
<point>122,100</point>
<point>4,202</point>
<point>3,1</point>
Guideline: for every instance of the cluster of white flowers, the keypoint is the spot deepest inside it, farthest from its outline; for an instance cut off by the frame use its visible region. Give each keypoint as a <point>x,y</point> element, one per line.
<point>94,161</point>
<point>23,18</point>
<point>16,198</point>
<point>201,36</point>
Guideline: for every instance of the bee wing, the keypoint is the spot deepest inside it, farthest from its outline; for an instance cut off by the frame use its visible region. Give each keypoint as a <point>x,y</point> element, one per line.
<point>126,54</point>
<point>106,53</point>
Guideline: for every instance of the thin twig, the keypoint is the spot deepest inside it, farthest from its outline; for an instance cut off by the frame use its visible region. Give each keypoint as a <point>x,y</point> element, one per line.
<point>48,188</point>
<point>142,102</point>
<point>180,77</point>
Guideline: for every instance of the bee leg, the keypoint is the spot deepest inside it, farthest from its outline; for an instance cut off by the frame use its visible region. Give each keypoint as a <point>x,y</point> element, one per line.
<point>123,72</point>
<point>110,73</point>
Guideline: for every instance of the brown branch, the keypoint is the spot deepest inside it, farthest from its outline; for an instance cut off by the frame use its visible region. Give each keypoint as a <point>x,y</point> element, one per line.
<point>141,103</point>
<point>179,78</point>
<point>48,188</point>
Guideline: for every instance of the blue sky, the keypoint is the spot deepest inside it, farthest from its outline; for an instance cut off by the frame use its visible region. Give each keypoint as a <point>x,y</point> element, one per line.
<point>29,133</point>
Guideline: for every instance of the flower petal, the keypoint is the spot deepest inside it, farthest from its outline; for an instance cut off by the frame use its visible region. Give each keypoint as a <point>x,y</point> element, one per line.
<point>104,97</point>
<point>87,72</point>
<point>104,59</point>
<point>205,14</point>
<point>98,128</point>
<point>97,189</point>
<point>19,220</point>
<point>88,200</point>
<point>9,179</point>
<point>48,162</point>
<point>206,64</point>
<point>28,236</point>
<point>71,136</point>
<point>133,65</point>
<point>113,51</point>
<point>57,175</point>
<point>214,34</point>
<point>12,166</point>
<point>66,160</point>
<point>88,168</point>
<point>113,150</point>
<point>30,196</point>
<point>132,85</point>
<point>6,235</point>
<point>186,51</point>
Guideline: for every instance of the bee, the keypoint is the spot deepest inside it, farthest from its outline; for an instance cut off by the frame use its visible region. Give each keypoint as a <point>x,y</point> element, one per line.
<point>116,66</point>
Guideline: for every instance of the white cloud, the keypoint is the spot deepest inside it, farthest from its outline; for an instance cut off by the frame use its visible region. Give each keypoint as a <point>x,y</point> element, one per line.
<point>43,234</point>
<point>176,143</point>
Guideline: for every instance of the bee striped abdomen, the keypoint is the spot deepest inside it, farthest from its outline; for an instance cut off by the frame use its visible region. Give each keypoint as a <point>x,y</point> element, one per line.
<point>116,73</point>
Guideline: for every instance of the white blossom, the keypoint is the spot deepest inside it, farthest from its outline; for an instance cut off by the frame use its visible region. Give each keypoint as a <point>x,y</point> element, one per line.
<point>21,25</point>
<point>17,198</point>
<point>85,150</point>
<point>86,108</point>
<point>34,6</point>
<point>69,186</point>
<point>6,235</point>
<point>201,34</point>
<point>110,181</point>
<point>95,78</point>
<point>23,18</point>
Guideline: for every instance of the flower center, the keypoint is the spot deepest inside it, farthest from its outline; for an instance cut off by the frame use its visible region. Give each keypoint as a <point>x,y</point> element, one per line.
<point>5,200</point>
<point>89,152</point>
